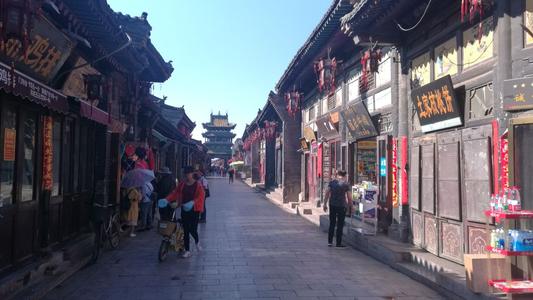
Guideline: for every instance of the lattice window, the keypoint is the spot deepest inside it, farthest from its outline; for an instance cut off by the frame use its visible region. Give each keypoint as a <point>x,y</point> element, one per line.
<point>480,102</point>
<point>312,113</point>
<point>385,123</point>
<point>332,102</point>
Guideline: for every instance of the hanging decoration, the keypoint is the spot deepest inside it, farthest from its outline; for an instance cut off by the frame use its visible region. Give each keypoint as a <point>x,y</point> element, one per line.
<point>325,70</point>
<point>270,129</point>
<point>473,8</point>
<point>293,102</point>
<point>17,20</point>
<point>370,61</point>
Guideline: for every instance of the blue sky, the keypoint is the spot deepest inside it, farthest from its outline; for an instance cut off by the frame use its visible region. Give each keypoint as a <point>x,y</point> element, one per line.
<point>227,54</point>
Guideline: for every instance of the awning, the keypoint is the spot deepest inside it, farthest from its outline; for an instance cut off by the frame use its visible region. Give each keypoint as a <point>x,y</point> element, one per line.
<point>94,113</point>
<point>326,129</point>
<point>13,81</point>
<point>159,136</point>
<point>358,121</point>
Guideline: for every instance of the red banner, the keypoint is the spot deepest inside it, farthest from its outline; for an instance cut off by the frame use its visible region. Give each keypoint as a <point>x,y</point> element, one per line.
<point>404,181</point>
<point>47,153</point>
<point>395,172</point>
<point>495,163</point>
<point>504,160</point>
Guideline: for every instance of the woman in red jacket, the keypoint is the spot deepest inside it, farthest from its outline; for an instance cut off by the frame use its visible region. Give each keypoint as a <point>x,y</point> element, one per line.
<point>190,196</point>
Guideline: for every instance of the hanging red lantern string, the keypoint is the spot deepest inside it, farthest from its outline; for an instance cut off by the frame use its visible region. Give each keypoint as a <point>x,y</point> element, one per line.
<point>471,8</point>
<point>293,102</point>
<point>370,61</point>
<point>270,129</point>
<point>325,70</point>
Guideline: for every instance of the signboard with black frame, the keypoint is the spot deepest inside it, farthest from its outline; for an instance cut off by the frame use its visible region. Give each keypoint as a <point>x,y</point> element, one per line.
<point>358,121</point>
<point>518,94</point>
<point>437,105</point>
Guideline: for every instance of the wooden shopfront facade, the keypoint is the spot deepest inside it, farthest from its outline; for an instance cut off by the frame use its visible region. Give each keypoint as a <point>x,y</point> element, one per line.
<point>451,112</point>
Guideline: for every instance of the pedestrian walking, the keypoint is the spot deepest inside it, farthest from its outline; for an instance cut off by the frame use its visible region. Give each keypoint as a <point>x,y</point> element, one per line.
<point>201,178</point>
<point>146,206</point>
<point>190,196</point>
<point>231,173</point>
<point>338,194</point>
<point>132,216</point>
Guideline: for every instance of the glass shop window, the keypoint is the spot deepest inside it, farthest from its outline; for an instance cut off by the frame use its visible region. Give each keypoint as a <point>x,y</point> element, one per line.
<point>7,168</point>
<point>56,156</point>
<point>28,162</point>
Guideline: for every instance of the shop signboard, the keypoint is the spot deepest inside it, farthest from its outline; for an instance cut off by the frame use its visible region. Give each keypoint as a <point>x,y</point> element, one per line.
<point>358,121</point>
<point>309,134</point>
<point>437,105</point>
<point>382,167</point>
<point>395,172</point>
<point>304,145</point>
<point>326,128</point>
<point>47,153</point>
<point>23,86</point>
<point>46,53</point>
<point>518,94</point>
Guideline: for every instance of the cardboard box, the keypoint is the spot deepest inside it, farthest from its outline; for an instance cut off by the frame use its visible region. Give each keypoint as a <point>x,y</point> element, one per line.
<point>477,270</point>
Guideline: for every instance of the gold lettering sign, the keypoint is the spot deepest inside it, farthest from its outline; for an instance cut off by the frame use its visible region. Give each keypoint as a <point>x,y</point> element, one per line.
<point>47,51</point>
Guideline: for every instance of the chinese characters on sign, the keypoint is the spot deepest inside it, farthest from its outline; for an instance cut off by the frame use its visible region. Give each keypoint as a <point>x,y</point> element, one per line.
<point>26,87</point>
<point>518,94</point>
<point>358,121</point>
<point>504,160</point>
<point>10,136</point>
<point>394,172</point>
<point>436,105</point>
<point>48,50</point>
<point>47,153</point>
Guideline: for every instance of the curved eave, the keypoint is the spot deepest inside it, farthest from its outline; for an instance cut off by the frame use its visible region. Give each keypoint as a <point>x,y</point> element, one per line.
<point>321,34</point>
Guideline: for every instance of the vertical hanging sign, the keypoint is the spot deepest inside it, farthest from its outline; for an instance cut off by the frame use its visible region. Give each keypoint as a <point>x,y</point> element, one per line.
<point>47,153</point>
<point>403,167</point>
<point>504,160</point>
<point>395,172</point>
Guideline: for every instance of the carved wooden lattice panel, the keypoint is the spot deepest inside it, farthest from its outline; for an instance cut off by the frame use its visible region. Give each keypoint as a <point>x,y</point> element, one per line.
<point>428,178</point>
<point>431,242</point>
<point>452,241</point>
<point>477,240</point>
<point>418,228</point>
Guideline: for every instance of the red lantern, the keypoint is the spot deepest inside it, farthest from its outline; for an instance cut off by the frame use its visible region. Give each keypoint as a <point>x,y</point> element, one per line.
<point>369,64</point>
<point>293,102</point>
<point>471,8</point>
<point>325,70</point>
<point>270,129</point>
<point>17,20</point>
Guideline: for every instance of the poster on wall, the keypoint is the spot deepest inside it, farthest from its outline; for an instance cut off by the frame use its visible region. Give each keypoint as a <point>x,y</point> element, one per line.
<point>436,105</point>
<point>10,136</point>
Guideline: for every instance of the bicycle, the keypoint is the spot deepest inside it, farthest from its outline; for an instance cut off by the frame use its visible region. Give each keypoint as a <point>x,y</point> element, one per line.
<point>172,233</point>
<point>107,232</point>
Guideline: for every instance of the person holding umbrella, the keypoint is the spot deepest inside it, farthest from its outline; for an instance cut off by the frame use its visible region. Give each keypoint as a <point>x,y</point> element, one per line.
<point>190,195</point>
<point>133,181</point>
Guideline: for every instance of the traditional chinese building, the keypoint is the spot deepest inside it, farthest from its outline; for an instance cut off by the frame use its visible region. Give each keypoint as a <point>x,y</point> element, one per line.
<point>67,107</point>
<point>219,136</point>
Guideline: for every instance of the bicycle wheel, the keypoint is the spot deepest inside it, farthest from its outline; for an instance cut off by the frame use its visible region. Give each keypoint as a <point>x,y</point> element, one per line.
<point>113,235</point>
<point>163,250</point>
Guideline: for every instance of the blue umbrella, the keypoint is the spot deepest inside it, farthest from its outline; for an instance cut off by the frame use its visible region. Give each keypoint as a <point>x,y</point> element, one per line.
<point>137,178</point>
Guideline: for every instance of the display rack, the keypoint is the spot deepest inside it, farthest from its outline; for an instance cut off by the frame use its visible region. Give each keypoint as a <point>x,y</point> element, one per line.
<point>510,286</point>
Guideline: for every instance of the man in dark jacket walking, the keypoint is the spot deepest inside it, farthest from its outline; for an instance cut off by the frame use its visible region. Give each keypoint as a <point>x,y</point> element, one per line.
<point>340,198</point>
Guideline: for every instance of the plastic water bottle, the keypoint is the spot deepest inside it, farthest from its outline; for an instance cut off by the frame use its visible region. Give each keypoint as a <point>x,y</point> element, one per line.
<point>492,203</point>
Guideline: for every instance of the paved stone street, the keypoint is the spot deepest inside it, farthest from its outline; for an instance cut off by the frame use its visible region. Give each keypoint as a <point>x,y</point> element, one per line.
<point>252,250</point>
